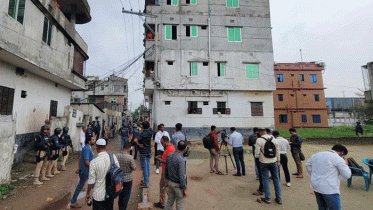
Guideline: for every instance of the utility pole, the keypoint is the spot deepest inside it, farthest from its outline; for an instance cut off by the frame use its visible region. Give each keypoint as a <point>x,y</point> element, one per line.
<point>301,56</point>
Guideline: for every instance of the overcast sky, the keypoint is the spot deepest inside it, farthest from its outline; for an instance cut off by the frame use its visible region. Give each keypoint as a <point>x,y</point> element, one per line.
<point>339,33</point>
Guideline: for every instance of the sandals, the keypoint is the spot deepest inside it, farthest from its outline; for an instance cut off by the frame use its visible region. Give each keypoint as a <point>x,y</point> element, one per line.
<point>212,171</point>
<point>260,200</point>
<point>219,173</point>
<point>257,193</point>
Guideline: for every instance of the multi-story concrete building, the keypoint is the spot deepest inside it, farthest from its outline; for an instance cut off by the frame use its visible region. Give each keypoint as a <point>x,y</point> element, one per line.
<point>213,64</point>
<point>299,97</point>
<point>41,61</point>
<point>340,110</point>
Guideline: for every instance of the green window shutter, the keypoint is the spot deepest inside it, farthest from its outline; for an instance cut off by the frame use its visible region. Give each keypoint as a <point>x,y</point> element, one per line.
<point>229,3</point>
<point>230,34</point>
<point>193,69</point>
<point>222,69</point>
<point>168,29</point>
<point>21,11</point>
<point>235,3</point>
<point>194,30</point>
<point>49,33</point>
<point>45,29</point>
<point>249,71</point>
<point>193,1</point>
<point>175,2</point>
<point>237,34</point>
<point>255,68</point>
<point>12,10</point>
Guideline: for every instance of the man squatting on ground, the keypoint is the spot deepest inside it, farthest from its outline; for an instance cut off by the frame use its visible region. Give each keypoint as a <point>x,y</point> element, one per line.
<point>236,140</point>
<point>85,159</point>
<point>296,148</point>
<point>268,164</point>
<point>42,150</point>
<point>175,173</point>
<point>98,169</point>
<point>67,146</point>
<point>143,140</point>
<point>161,132</point>
<point>55,147</point>
<point>215,151</point>
<point>326,170</point>
<point>283,145</point>
<point>168,148</point>
<point>128,165</point>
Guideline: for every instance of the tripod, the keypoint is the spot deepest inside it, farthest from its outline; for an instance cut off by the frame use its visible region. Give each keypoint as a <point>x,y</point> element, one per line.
<point>224,151</point>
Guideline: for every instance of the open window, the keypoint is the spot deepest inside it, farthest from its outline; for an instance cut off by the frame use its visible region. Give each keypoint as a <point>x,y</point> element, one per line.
<point>149,69</point>
<point>193,108</point>
<point>221,69</point>
<point>191,31</point>
<point>150,33</point>
<point>171,32</point>
<point>221,108</point>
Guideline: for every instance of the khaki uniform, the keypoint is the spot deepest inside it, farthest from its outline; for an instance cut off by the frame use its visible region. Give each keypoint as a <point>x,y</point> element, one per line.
<point>42,165</point>
<point>64,158</point>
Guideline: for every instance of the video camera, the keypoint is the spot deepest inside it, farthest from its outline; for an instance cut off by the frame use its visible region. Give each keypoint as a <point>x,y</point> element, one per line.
<point>224,136</point>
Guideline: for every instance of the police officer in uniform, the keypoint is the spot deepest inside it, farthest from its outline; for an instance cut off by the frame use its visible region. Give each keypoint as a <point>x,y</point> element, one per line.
<point>67,144</point>
<point>125,133</point>
<point>42,150</point>
<point>55,147</point>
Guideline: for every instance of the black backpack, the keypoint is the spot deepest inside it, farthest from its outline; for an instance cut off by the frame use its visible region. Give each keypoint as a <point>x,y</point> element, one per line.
<point>269,148</point>
<point>114,179</point>
<point>208,142</point>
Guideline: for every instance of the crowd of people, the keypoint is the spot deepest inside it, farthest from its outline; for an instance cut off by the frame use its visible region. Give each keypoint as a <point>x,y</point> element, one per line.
<point>269,151</point>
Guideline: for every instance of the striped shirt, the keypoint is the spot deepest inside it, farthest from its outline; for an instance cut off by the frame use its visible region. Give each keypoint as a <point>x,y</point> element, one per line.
<point>99,167</point>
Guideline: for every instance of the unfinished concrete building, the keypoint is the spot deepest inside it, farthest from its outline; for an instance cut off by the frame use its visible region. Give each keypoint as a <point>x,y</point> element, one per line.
<point>213,64</point>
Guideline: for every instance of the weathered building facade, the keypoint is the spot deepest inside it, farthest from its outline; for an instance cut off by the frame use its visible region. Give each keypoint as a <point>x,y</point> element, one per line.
<point>41,61</point>
<point>299,97</point>
<point>212,65</point>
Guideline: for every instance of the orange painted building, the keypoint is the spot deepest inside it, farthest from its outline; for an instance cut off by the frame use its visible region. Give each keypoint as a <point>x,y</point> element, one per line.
<point>299,99</point>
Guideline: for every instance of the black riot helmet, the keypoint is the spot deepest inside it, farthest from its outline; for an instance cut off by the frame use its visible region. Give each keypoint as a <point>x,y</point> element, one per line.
<point>57,131</point>
<point>43,128</point>
<point>65,129</point>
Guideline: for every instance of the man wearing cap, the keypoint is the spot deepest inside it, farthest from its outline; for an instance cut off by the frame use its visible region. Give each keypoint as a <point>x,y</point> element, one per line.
<point>42,147</point>
<point>143,140</point>
<point>98,169</point>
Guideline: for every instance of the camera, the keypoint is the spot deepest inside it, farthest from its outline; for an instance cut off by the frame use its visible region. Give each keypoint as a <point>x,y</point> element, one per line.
<point>224,136</point>
<point>187,152</point>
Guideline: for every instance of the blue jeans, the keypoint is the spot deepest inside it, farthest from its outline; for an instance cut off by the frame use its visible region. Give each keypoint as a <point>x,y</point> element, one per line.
<point>238,157</point>
<point>79,187</point>
<point>328,202</point>
<point>125,195</point>
<point>273,168</point>
<point>145,165</point>
<point>124,139</point>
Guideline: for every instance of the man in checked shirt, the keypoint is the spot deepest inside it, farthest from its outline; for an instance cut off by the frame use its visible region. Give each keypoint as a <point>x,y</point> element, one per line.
<point>127,164</point>
<point>176,174</point>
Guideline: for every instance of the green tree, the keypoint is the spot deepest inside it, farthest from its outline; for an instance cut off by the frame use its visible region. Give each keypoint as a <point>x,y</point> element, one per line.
<point>364,112</point>
<point>136,114</point>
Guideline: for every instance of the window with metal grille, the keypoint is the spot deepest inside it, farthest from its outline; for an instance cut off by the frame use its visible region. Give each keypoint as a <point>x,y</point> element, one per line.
<point>47,31</point>
<point>316,118</point>
<point>191,31</point>
<point>280,78</point>
<point>304,118</point>
<point>221,69</point>
<point>205,103</point>
<point>222,108</point>
<point>53,108</point>
<point>283,118</point>
<point>280,97</point>
<point>6,100</point>
<point>92,100</point>
<point>256,109</point>
<point>17,9</point>
<point>193,108</point>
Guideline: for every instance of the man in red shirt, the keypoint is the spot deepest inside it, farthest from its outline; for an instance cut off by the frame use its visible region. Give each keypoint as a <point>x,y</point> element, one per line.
<point>215,151</point>
<point>168,148</point>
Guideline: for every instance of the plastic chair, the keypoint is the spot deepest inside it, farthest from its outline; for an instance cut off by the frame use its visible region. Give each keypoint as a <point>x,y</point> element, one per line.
<point>366,162</point>
<point>359,172</point>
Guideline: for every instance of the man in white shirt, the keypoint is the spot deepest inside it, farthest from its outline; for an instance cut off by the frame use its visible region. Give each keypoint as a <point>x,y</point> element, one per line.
<point>268,164</point>
<point>236,141</point>
<point>161,132</point>
<point>284,147</point>
<point>98,169</point>
<point>81,139</point>
<point>326,170</point>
